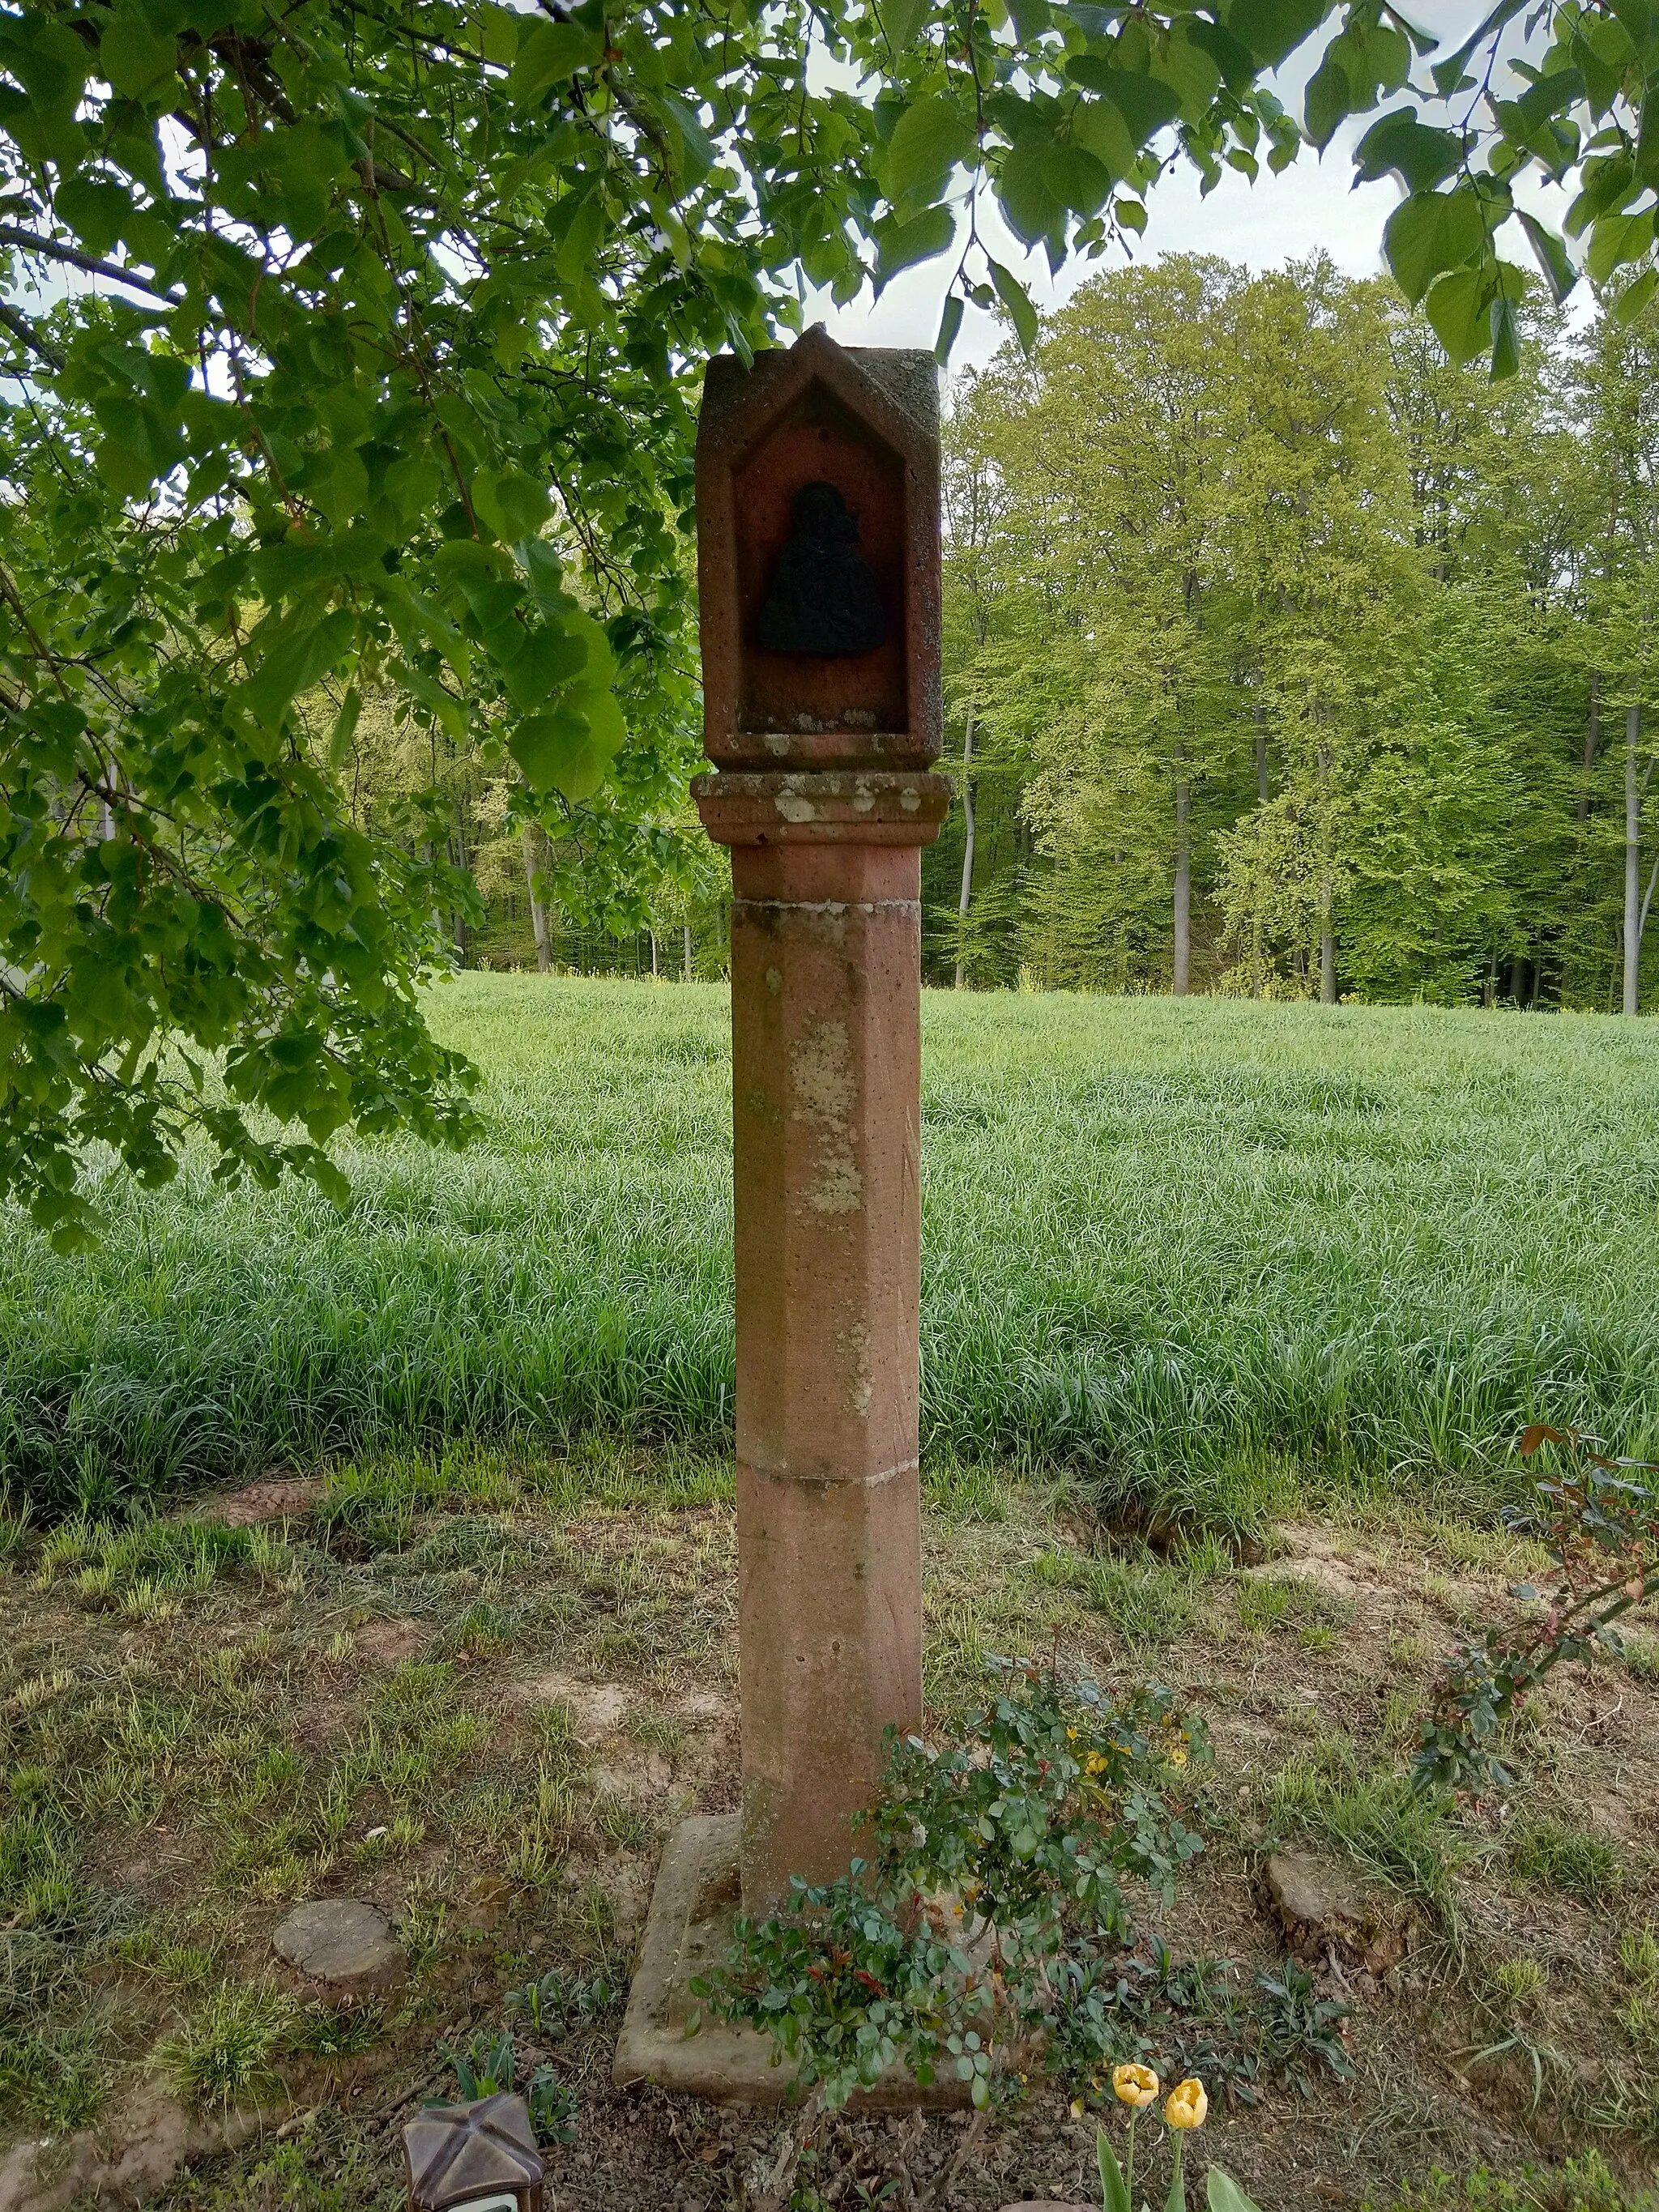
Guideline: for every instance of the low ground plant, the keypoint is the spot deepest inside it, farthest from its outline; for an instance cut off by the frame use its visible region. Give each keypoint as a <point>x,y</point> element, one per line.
<point>1597,1520</point>
<point>488,2065</point>
<point>1582,2185</point>
<point>989,1933</point>
<point>225,2052</point>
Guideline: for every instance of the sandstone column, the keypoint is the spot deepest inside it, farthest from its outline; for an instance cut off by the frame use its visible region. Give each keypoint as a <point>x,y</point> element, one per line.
<point>825,1064</point>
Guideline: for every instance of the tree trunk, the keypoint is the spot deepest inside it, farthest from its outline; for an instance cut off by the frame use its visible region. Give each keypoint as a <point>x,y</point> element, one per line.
<point>1263,796</point>
<point>1592,741</point>
<point>461,859</point>
<point>538,910</point>
<point>686,927</point>
<point>652,934</point>
<point>1261,791</point>
<point>967,849</point>
<point>1632,859</point>
<point>1183,879</point>
<point>1326,893</point>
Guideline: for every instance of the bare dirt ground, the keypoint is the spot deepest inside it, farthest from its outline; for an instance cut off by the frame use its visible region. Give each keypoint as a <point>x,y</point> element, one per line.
<point>476,1696</point>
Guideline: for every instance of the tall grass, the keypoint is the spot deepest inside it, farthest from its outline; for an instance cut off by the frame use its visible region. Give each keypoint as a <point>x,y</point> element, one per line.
<point>1196,1249</point>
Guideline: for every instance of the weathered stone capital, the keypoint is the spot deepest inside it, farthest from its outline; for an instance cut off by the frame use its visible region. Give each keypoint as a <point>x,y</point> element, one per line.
<point>843,806</point>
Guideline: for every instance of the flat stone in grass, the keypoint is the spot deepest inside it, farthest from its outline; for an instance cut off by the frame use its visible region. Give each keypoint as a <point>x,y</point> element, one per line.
<point>1323,1907</point>
<point>343,1942</point>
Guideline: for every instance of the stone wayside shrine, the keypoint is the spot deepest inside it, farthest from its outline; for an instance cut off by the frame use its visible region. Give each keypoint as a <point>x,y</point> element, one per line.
<point>819,568</point>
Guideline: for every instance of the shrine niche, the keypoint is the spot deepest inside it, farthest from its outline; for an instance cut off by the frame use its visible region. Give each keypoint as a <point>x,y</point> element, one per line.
<point>818,502</point>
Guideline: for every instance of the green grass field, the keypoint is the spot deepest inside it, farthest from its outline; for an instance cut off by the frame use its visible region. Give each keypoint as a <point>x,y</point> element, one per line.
<point>1202,1251</point>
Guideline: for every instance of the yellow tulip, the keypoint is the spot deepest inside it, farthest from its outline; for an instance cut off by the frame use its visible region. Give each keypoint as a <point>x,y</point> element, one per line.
<point>1186,2105</point>
<point>1135,2085</point>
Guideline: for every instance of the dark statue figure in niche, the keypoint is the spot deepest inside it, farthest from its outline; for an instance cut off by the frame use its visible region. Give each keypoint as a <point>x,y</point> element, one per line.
<point>822,598</point>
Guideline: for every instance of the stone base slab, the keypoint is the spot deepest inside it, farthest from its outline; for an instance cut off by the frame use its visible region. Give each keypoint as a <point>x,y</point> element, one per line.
<point>688,1932</point>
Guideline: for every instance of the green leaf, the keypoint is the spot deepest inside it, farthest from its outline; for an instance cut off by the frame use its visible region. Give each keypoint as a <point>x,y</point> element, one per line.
<point>1113,2189</point>
<point>1329,98</point>
<point>1420,157</point>
<point>550,54</point>
<point>512,504</point>
<point>95,210</point>
<point>698,148</point>
<point>1505,339</point>
<point>1551,96</point>
<point>900,21</point>
<point>134,57</point>
<point>1448,74</point>
<point>569,748</point>
<point>1097,125</point>
<point>295,661</point>
<point>1176,2199</point>
<point>338,484</point>
<point>345,726</point>
<point>1272,29</point>
<point>1076,180</point>
<point>298,564</point>
<point>928,140</point>
<point>581,243</point>
<point>1551,254</point>
<point>1017,301</point>
<point>1146,103</point>
<point>899,245</point>
<point>949,323</point>
<point>1032,210</point>
<point>1224,2195</point>
<point>1230,54</point>
<point>1634,300</point>
<point>1188,64</point>
<point>1615,239</point>
<point>47,133</point>
<point>1457,308</point>
<point>547,660</point>
<point>1430,234</point>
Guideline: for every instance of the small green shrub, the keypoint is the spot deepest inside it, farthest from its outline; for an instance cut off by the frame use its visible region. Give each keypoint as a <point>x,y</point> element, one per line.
<point>321,2171</point>
<point>17,1517</point>
<point>334,2032</point>
<point>226,2049</point>
<point>52,2074</point>
<point>1376,1817</point>
<point>1035,1819</point>
<point>556,2005</point>
<point>1555,1855</point>
<point>487,2066</point>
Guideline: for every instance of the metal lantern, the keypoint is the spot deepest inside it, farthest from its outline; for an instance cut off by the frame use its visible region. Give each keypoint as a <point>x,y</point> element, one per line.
<point>480,2157</point>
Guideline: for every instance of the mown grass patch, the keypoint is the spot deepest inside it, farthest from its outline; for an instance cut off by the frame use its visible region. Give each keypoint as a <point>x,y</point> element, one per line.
<point>1198,1252</point>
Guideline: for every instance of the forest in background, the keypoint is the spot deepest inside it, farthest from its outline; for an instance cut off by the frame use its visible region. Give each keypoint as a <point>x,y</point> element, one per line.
<point>1287,659</point>
<point>1284,657</point>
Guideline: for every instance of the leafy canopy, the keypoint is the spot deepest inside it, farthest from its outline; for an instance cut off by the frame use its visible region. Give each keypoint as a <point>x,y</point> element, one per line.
<point>350,348</point>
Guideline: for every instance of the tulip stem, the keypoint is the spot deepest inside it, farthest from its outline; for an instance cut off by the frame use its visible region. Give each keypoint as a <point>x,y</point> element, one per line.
<point>1129,2182</point>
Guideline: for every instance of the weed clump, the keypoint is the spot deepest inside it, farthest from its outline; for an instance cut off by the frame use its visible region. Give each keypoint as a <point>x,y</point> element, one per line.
<point>225,2051</point>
